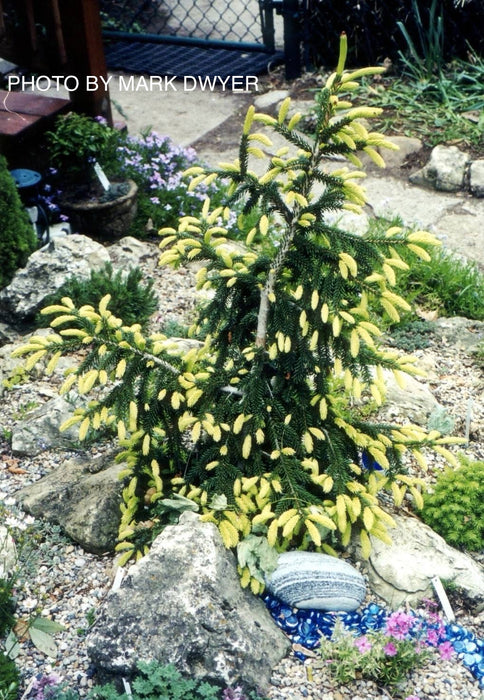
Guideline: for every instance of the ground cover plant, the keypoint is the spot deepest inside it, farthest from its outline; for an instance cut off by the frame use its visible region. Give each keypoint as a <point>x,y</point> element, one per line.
<point>386,656</point>
<point>259,423</point>
<point>153,681</point>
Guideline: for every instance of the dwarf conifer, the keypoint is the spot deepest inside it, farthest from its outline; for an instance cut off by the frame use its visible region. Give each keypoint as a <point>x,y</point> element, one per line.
<point>260,421</point>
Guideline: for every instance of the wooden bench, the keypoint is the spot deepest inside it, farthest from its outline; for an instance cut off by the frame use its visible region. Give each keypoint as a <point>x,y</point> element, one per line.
<point>24,115</point>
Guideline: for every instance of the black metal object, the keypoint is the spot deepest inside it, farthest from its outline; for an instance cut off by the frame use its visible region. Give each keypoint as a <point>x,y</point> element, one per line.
<point>206,34</point>
<point>28,182</point>
<point>157,58</point>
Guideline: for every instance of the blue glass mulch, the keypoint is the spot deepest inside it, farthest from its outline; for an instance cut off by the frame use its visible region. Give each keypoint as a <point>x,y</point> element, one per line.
<point>305,627</point>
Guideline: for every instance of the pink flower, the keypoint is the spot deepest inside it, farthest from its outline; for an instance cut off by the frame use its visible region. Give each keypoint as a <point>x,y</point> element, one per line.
<point>390,649</point>
<point>446,650</point>
<point>363,644</point>
<point>432,638</point>
<point>399,625</point>
<point>412,697</point>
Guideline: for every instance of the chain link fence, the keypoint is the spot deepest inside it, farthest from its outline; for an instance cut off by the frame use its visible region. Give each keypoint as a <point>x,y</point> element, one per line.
<point>219,20</point>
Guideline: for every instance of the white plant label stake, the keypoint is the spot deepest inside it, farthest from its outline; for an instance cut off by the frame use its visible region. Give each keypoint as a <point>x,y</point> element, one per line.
<point>442,596</point>
<point>101,176</point>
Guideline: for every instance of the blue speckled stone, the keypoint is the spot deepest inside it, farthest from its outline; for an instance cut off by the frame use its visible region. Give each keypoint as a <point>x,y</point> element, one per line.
<point>308,580</point>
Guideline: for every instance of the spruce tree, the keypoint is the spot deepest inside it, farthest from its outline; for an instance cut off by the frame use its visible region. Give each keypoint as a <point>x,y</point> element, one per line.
<point>261,422</point>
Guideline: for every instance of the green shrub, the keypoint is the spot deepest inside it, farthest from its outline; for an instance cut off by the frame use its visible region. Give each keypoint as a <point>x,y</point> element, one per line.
<point>9,678</point>
<point>132,301</point>
<point>76,142</point>
<point>17,236</point>
<point>260,423</point>
<point>454,509</point>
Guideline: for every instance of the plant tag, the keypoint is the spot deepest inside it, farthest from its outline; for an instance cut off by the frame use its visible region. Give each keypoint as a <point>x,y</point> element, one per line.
<point>442,596</point>
<point>127,688</point>
<point>117,579</point>
<point>101,176</point>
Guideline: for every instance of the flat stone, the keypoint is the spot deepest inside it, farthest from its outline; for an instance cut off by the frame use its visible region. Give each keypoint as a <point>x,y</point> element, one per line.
<point>270,99</point>
<point>407,146</point>
<point>316,581</point>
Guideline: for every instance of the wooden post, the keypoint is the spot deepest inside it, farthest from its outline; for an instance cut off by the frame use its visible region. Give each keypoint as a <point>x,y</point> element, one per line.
<point>81,25</point>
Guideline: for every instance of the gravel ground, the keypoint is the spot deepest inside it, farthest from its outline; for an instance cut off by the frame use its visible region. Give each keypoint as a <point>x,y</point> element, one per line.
<point>64,583</point>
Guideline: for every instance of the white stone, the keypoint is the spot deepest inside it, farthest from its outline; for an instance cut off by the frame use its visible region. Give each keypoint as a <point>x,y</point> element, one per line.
<point>445,170</point>
<point>476,178</point>
<point>309,580</point>
<point>402,572</point>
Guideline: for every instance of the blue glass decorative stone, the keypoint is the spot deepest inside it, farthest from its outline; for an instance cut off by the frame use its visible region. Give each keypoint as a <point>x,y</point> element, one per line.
<point>311,624</point>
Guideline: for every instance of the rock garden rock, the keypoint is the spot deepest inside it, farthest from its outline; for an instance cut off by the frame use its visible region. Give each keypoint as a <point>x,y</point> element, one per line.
<point>309,580</point>
<point>462,332</point>
<point>445,170</point>
<point>46,271</point>
<point>183,604</point>
<point>476,178</point>
<point>83,497</point>
<point>402,572</point>
<point>407,146</point>
<point>129,252</point>
<point>415,402</point>
<point>39,430</point>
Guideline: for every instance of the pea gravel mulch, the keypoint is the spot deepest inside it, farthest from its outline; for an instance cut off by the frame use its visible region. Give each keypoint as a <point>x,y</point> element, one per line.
<point>62,582</point>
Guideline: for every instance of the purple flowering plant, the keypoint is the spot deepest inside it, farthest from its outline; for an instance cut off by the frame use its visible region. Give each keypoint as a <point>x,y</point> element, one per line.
<point>387,655</point>
<point>156,164</point>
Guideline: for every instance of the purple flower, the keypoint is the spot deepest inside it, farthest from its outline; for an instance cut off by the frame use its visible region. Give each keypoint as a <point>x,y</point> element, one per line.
<point>412,697</point>
<point>432,637</point>
<point>390,649</point>
<point>446,650</point>
<point>399,625</point>
<point>363,644</point>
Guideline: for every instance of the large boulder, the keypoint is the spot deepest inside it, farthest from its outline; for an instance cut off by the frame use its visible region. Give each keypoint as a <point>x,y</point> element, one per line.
<point>83,497</point>
<point>403,571</point>
<point>183,604</point>
<point>46,271</point>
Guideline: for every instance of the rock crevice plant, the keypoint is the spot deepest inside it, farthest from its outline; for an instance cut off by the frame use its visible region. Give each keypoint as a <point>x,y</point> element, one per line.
<point>259,422</point>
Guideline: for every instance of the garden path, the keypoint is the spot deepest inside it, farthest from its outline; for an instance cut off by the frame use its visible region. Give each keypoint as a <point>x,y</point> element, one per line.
<point>211,121</point>
<point>210,116</point>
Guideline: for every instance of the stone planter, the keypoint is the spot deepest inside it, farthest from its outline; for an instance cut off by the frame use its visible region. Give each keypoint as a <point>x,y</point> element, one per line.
<point>103,221</point>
